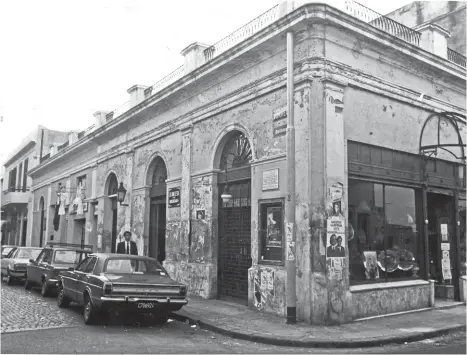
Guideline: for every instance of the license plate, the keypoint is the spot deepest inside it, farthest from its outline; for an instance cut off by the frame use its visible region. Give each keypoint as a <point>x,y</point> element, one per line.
<point>145,305</point>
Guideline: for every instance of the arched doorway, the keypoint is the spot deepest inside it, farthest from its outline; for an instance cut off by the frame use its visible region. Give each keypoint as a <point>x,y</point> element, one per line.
<point>42,210</point>
<point>234,258</point>
<point>157,176</point>
<point>112,188</point>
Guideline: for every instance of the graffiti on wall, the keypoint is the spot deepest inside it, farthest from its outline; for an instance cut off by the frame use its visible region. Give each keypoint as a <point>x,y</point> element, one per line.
<point>264,288</point>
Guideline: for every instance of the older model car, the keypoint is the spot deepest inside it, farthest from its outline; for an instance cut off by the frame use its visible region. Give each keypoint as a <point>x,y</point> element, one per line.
<point>119,282</point>
<point>55,257</point>
<point>7,249</point>
<point>13,267</point>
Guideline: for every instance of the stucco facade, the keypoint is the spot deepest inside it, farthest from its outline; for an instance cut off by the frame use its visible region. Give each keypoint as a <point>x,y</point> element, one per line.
<point>353,83</point>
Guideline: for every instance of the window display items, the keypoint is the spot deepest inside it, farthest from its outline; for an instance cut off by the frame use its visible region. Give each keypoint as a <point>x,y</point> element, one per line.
<point>274,234</point>
<point>371,265</point>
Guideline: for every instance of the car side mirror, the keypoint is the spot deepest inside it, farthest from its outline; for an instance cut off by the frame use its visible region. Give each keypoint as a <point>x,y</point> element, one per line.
<point>31,261</point>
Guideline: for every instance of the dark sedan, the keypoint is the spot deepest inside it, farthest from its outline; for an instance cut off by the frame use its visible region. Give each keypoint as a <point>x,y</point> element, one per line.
<point>118,282</point>
<point>44,270</point>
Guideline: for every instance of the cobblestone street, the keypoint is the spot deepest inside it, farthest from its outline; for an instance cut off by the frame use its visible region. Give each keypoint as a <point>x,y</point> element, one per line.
<point>27,310</point>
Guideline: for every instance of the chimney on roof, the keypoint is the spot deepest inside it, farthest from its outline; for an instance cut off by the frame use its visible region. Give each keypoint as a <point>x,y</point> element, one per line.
<point>194,56</point>
<point>434,39</point>
<point>72,137</point>
<point>136,94</point>
<point>99,118</point>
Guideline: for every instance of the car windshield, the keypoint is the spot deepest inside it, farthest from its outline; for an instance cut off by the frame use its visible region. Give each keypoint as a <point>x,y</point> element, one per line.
<point>27,253</point>
<point>131,266</point>
<point>6,251</point>
<point>68,256</point>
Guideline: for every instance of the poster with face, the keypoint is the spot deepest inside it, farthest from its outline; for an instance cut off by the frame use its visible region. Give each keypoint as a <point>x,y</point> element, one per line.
<point>371,265</point>
<point>335,239</point>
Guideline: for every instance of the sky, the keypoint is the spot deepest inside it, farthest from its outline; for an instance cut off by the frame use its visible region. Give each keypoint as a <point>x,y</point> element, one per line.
<point>63,60</point>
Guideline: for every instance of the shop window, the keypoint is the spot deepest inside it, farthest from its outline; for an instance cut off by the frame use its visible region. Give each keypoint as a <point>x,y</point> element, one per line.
<point>384,242</point>
<point>271,232</point>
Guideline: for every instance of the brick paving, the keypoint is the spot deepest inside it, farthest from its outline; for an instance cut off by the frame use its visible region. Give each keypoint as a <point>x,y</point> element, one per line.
<point>27,310</point>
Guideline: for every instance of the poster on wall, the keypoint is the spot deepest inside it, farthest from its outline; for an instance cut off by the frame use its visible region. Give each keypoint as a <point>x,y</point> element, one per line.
<point>271,179</point>
<point>444,232</point>
<point>174,197</point>
<point>336,265</point>
<point>371,265</point>
<point>274,227</point>
<point>335,239</point>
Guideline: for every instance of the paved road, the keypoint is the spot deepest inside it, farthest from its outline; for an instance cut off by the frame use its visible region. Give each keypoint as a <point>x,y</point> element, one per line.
<point>48,329</point>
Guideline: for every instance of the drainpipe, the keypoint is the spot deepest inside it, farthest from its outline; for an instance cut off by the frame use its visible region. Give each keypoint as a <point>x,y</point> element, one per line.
<point>291,297</point>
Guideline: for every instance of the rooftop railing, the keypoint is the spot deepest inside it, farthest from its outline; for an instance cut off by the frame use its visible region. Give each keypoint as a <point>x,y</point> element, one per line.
<point>382,22</point>
<point>165,81</point>
<point>456,57</point>
<point>244,32</point>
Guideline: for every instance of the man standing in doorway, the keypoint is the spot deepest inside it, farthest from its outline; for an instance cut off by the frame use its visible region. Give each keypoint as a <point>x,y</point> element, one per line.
<point>128,246</point>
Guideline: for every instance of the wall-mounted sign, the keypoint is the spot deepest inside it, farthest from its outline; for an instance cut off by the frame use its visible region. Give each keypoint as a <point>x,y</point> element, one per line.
<point>279,121</point>
<point>174,197</point>
<point>271,179</point>
<point>444,232</point>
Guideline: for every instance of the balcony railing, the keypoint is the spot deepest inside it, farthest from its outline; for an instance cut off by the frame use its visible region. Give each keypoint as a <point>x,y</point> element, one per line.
<point>165,81</point>
<point>16,189</point>
<point>242,33</point>
<point>456,57</point>
<point>384,23</point>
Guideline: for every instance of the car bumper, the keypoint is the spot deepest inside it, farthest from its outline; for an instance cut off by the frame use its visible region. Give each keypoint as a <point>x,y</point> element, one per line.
<point>17,274</point>
<point>53,283</point>
<point>142,305</point>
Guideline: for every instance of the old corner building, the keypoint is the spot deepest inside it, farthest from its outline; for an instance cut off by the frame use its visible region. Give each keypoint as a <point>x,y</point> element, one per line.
<point>378,214</point>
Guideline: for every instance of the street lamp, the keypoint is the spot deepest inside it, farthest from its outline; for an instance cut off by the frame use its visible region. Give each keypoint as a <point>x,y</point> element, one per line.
<point>121,193</point>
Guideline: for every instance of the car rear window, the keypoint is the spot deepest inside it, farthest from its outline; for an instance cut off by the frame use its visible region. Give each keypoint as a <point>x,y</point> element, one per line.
<point>130,266</point>
<point>27,253</point>
<point>6,251</point>
<point>68,256</point>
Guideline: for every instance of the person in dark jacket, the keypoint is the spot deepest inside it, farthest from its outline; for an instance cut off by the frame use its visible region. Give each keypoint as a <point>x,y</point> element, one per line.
<point>128,246</point>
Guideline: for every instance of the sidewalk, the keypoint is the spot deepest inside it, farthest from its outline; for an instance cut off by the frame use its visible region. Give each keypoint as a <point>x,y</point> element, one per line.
<point>240,322</point>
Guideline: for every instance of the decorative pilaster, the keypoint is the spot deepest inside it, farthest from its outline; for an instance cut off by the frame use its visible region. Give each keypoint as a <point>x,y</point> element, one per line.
<point>335,173</point>
<point>185,202</point>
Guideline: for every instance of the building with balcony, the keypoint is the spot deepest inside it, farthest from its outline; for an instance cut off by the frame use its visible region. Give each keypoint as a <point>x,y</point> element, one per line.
<point>377,182</point>
<point>16,183</point>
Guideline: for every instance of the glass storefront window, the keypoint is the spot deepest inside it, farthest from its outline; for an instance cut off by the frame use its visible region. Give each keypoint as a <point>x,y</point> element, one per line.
<point>385,243</point>
<point>271,233</point>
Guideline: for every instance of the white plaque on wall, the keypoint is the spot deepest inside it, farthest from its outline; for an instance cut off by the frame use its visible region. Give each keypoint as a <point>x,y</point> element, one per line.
<point>271,179</point>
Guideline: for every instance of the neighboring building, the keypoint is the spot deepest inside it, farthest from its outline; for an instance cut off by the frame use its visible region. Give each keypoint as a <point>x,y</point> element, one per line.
<point>363,92</point>
<point>450,15</point>
<point>16,183</point>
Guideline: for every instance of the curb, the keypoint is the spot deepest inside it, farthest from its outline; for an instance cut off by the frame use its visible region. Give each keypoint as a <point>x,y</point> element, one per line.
<point>314,343</point>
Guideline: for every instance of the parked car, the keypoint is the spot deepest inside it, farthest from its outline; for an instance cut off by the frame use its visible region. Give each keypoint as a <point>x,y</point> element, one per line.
<point>13,267</point>
<point>103,283</point>
<point>55,257</point>
<point>7,249</point>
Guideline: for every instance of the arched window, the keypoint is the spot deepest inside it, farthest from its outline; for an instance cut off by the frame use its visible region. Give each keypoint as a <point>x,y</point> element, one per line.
<point>236,153</point>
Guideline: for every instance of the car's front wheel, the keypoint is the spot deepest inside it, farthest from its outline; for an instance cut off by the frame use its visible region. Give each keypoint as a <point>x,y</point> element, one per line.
<point>62,300</point>
<point>89,311</point>
<point>27,284</point>
<point>9,279</point>
<point>44,289</point>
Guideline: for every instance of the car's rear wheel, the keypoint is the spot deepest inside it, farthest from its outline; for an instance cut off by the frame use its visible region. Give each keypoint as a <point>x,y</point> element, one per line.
<point>62,300</point>
<point>27,284</point>
<point>44,289</point>
<point>89,311</point>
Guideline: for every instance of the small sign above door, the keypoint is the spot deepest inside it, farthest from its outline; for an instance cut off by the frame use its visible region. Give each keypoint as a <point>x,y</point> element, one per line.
<point>174,197</point>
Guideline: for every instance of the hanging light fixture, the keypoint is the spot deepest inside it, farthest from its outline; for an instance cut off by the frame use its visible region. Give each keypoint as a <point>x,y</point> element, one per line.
<point>121,193</point>
<point>226,195</point>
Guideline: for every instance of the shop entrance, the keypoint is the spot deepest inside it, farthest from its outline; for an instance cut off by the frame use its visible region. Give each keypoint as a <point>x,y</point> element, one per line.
<point>235,243</point>
<point>442,245</point>
<point>234,258</point>
<point>157,228</point>
<point>157,176</point>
